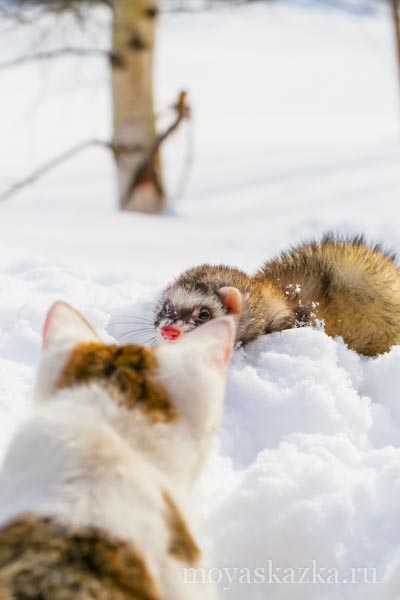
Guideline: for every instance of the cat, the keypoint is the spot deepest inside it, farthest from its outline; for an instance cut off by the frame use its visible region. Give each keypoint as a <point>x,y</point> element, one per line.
<point>94,485</point>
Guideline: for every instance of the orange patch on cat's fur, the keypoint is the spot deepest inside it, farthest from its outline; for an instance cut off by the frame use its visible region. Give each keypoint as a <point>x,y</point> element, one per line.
<point>182,545</point>
<point>125,369</point>
<point>40,558</point>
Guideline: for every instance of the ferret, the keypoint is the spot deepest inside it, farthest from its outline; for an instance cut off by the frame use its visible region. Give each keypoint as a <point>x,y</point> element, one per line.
<point>350,287</point>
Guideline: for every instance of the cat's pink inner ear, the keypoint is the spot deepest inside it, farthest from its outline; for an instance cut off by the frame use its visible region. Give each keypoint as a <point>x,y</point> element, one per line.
<point>66,323</point>
<point>232,299</point>
<point>218,337</point>
<point>225,330</point>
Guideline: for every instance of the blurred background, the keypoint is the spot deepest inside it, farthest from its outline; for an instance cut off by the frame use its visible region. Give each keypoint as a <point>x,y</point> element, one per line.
<point>141,137</point>
<point>289,125</point>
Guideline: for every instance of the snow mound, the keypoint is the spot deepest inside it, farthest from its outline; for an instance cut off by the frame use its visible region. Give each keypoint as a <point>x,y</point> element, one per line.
<point>303,487</point>
<point>305,475</point>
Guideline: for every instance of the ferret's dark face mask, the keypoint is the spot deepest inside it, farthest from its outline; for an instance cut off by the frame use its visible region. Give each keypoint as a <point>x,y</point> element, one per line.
<point>180,310</point>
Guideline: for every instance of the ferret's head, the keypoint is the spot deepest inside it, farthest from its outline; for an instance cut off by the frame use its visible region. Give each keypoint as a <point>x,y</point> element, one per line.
<point>197,296</point>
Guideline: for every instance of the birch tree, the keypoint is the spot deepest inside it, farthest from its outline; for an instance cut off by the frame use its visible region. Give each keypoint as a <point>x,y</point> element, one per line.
<point>139,174</point>
<point>135,144</point>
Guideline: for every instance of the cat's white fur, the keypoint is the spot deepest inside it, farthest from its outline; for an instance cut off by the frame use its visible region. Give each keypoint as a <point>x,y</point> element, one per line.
<point>85,460</point>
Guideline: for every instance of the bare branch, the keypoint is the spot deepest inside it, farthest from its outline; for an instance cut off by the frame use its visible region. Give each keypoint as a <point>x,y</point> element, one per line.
<point>396,22</point>
<point>186,167</point>
<point>183,111</point>
<point>65,156</point>
<point>58,53</point>
<point>147,171</point>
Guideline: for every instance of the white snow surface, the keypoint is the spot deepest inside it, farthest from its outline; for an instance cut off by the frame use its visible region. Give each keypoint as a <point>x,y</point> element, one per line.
<point>296,130</point>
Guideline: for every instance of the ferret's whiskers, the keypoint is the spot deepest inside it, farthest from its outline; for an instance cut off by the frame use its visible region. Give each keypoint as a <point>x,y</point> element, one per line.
<point>141,329</point>
<point>150,340</point>
<point>132,318</point>
<point>116,323</point>
<point>133,321</point>
<point>133,333</point>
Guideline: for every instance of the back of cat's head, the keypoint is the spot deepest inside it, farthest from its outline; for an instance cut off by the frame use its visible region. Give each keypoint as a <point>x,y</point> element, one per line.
<point>165,384</point>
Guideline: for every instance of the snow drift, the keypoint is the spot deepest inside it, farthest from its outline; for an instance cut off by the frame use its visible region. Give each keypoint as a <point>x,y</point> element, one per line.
<point>295,122</point>
<point>305,477</point>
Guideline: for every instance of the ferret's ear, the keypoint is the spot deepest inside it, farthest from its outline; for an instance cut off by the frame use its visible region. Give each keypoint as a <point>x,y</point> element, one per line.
<point>65,327</point>
<point>216,338</point>
<point>232,299</point>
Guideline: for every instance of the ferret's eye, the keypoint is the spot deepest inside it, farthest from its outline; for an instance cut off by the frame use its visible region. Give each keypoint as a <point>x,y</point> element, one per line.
<point>204,315</point>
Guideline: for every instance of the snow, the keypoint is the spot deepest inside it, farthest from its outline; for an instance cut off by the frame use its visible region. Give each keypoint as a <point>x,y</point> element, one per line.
<point>305,480</point>
<point>295,130</point>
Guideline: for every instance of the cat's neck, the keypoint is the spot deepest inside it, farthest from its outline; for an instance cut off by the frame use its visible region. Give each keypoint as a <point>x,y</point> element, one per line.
<point>72,465</point>
<point>168,447</point>
<point>81,445</point>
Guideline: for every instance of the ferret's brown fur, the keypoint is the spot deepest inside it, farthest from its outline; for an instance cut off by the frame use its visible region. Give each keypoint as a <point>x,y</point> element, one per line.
<point>349,286</point>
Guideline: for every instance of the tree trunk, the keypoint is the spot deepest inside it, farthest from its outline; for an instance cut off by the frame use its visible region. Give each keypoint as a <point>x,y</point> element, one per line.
<point>396,22</point>
<point>139,180</point>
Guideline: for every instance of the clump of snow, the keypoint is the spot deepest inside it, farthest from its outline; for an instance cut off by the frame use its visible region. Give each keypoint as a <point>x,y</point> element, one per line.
<point>306,484</point>
<point>295,131</point>
<point>289,382</point>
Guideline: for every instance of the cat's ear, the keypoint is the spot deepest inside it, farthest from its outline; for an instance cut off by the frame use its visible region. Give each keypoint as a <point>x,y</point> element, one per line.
<point>232,299</point>
<point>216,338</point>
<point>193,373</point>
<point>66,327</point>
